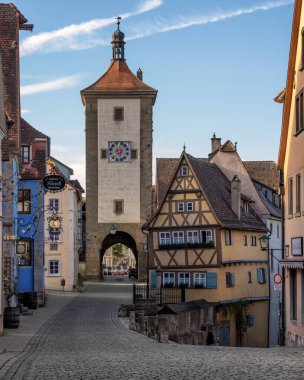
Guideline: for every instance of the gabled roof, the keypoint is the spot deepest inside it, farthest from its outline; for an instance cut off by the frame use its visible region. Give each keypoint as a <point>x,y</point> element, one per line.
<point>265,172</point>
<point>280,98</point>
<point>119,79</point>
<point>227,147</point>
<point>29,133</point>
<point>290,81</point>
<point>217,189</point>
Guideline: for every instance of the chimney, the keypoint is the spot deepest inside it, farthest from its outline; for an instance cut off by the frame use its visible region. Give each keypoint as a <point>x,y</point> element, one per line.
<point>236,196</point>
<point>139,74</point>
<point>216,143</point>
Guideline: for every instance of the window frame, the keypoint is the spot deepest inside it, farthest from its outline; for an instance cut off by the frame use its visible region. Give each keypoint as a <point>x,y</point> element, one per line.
<point>167,238</point>
<point>299,105</point>
<point>117,210</point>
<point>298,194</point>
<point>245,240</point>
<point>171,275</point>
<point>206,241</point>
<point>230,279</point>
<point>202,279</point>
<point>52,207</point>
<point>253,241</point>
<point>184,171</point>
<point>26,243</point>
<point>116,112</point>
<point>186,280</point>
<point>192,206</point>
<point>23,201</point>
<point>179,238</point>
<point>290,196</point>
<point>261,276</point>
<point>192,239</point>
<point>25,158</point>
<point>180,207</point>
<point>228,237</point>
<point>51,271</point>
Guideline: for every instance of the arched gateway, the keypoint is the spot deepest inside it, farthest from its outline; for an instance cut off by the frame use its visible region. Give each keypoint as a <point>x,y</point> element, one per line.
<point>118,113</point>
<point>120,237</point>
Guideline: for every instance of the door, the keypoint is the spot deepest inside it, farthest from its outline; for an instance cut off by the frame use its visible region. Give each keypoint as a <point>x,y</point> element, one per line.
<point>224,333</point>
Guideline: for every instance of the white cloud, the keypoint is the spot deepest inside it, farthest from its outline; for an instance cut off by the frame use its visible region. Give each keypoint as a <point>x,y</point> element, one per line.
<point>57,84</point>
<point>57,149</point>
<point>77,36</point>
<point>163,26</point>
<point>25,111</point>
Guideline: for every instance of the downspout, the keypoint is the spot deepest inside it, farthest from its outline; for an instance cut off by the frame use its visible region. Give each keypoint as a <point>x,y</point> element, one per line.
<point>282,198</point>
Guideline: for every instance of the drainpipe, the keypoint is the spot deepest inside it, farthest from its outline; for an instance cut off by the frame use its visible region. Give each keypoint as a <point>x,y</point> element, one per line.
<point>283,311</point>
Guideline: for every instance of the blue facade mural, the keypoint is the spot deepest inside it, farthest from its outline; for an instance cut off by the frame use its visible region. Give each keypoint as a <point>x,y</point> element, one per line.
<point>30,246</point>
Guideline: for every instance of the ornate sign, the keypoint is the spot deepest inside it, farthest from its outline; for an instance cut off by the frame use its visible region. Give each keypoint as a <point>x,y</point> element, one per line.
<point>54,183</point>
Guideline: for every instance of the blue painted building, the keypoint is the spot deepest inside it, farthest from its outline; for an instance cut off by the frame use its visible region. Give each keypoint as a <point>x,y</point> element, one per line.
<point>31,232</point>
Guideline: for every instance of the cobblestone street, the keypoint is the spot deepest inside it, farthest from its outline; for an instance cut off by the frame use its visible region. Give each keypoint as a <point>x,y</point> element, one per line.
<point>86,340</point>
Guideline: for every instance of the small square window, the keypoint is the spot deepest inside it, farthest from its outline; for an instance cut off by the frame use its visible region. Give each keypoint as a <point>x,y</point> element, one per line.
<point>54,268</point>
<point>118,113</point>
<point>190,206</point>
<point>180,207</point>
<point>184,171</point>
<point>118,206</point>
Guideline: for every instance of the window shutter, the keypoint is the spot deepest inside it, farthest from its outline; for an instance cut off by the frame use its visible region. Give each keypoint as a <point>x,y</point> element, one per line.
<point>227,280</point>
<point>232,279</point>
<point>259,275</point>
<point>264,276</point>
<point>211,280</point>
<point>104,153</point>
<point>153,279</point>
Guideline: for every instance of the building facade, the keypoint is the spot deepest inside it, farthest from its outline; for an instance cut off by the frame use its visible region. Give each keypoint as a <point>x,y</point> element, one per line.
<point>30,230</point>
<point>204,237</point>
<point>291,163</point>
<point>62,249</point>
<point>118,113</point>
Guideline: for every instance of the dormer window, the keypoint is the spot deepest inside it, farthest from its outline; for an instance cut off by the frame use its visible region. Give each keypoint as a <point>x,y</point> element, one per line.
<point>184,171</point>
<point>246,207</point>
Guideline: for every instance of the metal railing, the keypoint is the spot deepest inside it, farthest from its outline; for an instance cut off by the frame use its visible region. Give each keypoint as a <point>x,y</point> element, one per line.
<point>160,296</point>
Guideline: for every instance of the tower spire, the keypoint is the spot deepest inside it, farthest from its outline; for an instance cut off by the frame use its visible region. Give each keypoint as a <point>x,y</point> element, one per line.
<point>118,43</point>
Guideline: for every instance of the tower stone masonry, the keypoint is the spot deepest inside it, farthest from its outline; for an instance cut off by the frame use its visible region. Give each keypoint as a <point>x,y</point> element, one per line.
<point>118,129</point>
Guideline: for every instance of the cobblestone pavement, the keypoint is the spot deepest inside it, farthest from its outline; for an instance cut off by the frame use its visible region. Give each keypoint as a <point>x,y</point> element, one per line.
<point>86,340</point>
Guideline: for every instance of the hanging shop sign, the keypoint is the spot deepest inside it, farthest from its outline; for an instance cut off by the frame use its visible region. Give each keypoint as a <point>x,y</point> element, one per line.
<point>54,182</point>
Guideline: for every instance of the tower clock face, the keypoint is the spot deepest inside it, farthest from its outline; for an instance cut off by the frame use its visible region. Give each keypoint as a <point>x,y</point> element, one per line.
<point>119,151</point>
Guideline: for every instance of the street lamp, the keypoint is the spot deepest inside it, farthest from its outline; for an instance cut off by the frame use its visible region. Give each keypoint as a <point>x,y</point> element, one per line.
<point>113,229</point>
<point>264,242</point>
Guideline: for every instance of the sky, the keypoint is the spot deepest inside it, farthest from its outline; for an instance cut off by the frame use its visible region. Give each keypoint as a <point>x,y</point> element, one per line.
<point>217,65</point>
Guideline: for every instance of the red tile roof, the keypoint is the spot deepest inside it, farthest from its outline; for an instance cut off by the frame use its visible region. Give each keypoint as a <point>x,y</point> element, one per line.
<point>265,172</point>
<point>119,79</point>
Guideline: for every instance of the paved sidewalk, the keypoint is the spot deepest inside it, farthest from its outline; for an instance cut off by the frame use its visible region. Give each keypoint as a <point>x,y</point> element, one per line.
<point>15,341</point>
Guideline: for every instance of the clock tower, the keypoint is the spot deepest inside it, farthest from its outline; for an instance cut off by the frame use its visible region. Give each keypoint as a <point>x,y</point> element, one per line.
<point>118,128</point>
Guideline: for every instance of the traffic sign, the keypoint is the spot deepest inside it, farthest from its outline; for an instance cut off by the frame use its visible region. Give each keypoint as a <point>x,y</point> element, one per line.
<point>277,287</point>
<point>277,278</point>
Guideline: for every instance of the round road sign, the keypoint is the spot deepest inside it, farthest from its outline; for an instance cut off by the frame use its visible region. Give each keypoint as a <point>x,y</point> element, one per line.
<point>277,278</point>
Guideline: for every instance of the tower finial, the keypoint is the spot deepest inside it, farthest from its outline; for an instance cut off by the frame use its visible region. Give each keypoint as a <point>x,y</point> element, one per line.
<point>184,148</point>
<point>118,18</point>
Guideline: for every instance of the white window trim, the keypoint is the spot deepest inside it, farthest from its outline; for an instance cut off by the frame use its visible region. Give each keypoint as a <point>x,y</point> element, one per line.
<point>59,204</point>
<point>165,238</point>
<point>202,279</point>
<point>59,268</point>
<point>180,235</point>
<point>207,241</point>
<point>190,239</point>
<point>180,274</point>
<point>171,274</point>
<point>192,206</point>
<point>180,207</point>
<point>184,171</point>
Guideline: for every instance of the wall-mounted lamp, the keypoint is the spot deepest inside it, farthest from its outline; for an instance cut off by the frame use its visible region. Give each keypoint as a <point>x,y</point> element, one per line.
<point>264,241</point>
<point>113,229</point>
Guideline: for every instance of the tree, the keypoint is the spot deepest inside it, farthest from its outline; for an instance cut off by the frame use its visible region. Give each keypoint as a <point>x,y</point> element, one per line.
<point>117,252</point>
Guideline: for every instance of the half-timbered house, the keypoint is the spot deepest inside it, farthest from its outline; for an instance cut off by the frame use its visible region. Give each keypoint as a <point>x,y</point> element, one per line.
<point>204,237</point>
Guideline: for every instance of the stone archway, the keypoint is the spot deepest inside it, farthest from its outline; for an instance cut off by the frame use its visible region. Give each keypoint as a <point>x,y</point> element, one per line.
<point>119,237</point>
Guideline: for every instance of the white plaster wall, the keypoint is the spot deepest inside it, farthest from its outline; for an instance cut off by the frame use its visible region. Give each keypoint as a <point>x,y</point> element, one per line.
<point>231,164</point>
<point>119,180</point>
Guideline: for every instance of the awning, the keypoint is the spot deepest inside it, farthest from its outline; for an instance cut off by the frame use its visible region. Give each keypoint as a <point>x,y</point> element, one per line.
<point>294,264</point>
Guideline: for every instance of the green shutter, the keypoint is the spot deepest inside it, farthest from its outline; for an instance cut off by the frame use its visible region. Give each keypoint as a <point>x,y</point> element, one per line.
<point>153,279</point>
<point>211,280</point>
